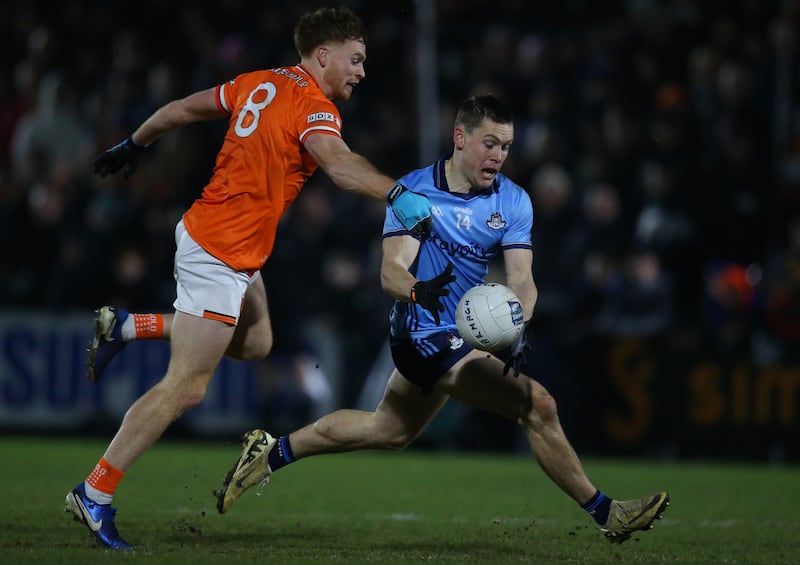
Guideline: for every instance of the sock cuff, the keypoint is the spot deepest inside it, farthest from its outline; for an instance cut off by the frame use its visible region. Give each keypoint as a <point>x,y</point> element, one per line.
<point>148,326</point>
<point>285,449</point>
<point>105,477</point>
<point>594,502</point>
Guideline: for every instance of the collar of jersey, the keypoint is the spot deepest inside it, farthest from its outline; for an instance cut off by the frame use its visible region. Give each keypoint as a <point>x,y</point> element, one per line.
<point>440,181</point>
<point>307,72</point>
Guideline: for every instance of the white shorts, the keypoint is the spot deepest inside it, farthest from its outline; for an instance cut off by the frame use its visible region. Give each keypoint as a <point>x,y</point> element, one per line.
<point>207,287</point>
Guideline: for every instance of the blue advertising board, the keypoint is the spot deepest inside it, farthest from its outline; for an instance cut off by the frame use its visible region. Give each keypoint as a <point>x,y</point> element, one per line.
<point>43,382</point>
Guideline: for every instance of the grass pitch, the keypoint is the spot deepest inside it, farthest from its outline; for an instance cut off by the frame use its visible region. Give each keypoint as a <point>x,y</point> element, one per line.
<point>390,507</point>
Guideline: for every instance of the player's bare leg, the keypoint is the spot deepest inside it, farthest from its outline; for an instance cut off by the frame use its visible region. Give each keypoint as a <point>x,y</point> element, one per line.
<point>114,328</point>
<point>478,380</point>
<point>197,347</point>
<point>402,414</point>
<point>400,417</point>
<point>252,339</point>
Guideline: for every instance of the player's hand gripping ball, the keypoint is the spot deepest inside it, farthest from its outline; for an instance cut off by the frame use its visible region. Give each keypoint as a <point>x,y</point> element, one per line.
<point>489,317</point>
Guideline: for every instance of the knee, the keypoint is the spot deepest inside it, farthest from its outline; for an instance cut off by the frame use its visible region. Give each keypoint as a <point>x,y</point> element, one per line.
<point>189,398</point>
<point>545,407</point>
<point>182,398</point>
<point>542,409</point>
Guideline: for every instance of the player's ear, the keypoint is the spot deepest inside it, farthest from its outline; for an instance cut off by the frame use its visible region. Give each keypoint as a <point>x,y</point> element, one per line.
<point>459,137</point>
<point>322,55</point>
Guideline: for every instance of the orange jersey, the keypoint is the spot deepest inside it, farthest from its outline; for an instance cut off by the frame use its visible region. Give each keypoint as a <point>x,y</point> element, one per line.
<point>262,164</point>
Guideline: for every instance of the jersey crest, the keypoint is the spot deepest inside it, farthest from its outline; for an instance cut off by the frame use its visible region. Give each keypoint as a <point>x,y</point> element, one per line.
<point>455,341</point>
<point>496,221</point>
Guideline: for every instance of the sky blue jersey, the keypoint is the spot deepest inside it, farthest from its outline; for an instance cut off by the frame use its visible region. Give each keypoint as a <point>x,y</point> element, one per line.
<point>468,229</point>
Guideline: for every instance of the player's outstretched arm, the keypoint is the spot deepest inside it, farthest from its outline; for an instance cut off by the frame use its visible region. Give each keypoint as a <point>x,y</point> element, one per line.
<point>125,155</point>
<point>351,171</point>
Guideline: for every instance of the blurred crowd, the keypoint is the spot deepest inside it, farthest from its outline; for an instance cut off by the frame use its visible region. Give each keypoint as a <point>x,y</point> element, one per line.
<point>659,141</point>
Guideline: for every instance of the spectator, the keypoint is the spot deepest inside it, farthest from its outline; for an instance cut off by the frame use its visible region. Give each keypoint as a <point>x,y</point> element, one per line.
<point>642,304</point>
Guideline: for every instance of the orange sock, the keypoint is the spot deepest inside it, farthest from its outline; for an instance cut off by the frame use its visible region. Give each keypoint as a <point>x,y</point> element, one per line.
<point>148,326</point>
<point>105,477</point>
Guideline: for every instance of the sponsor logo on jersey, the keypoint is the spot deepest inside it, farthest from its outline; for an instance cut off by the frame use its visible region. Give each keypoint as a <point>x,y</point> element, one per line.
<point>296,77</point>
<point>460,249</point>
<point>496,221</point>
<point>323,117</point>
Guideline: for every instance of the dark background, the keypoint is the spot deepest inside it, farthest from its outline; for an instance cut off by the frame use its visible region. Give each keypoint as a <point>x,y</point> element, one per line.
<point>659,140</point>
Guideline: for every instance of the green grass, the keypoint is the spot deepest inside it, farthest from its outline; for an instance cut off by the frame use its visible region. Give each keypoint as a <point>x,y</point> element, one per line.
<point>391,507</point>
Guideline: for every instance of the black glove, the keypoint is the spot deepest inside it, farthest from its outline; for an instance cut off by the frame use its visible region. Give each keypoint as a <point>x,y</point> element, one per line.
<point>518,352</point>
<point>126,153</point>
<point>411,208</point>
<point>427,293</point>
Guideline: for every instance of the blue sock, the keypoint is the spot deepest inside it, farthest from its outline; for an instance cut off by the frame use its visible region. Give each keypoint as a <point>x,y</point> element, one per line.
<point>598,507</point>
<point>281,455</point>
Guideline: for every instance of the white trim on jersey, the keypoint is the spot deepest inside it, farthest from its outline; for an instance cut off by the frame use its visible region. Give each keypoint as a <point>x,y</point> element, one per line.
<point>222,98</point>
<point>319,128</point>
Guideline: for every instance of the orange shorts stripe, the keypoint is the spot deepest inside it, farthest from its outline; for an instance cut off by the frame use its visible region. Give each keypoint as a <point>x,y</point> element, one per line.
<point>230,320</point>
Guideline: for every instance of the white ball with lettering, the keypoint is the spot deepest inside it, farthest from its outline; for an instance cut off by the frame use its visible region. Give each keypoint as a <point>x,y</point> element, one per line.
<point>489,317</point>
